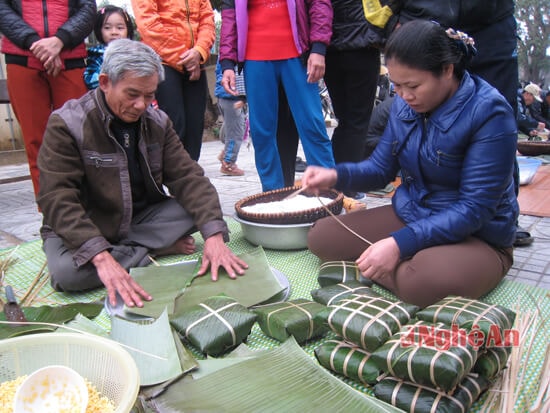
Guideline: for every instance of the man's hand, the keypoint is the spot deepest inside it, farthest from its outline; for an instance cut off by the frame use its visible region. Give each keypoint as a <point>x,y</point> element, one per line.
<point>191,61</point>
<point>47,49</point>
<point>380,259</point>
<point>216,254</point>
<point>315,67</point>
<point>116,279</point>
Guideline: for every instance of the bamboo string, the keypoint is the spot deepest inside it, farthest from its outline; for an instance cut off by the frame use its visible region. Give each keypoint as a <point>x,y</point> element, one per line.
<point>366,241</point>
<point>76,330</point>
<point>153,261</point>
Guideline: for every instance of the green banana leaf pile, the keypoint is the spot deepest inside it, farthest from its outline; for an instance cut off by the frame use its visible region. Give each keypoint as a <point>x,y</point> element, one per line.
<point>427,354</point>
<point>472,315</point>
<point>332,293</point>
<point>292,318</point>
<point>367,320</point>
<point>349,360</point>
<point>415,398</point>
<point>334,272</point>
<point>216,325</point>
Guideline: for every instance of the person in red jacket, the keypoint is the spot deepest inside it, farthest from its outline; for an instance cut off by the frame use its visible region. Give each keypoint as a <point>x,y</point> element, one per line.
<point>45,59</point>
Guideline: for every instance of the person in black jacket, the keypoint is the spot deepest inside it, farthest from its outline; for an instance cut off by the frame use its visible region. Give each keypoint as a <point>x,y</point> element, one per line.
<point>359,30</point>
<point>492,25</point>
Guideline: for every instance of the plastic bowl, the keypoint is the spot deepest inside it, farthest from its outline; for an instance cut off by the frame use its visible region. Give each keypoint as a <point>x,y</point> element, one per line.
<point>52,389</point>
<point>102,362</point>
<point>527,169</point>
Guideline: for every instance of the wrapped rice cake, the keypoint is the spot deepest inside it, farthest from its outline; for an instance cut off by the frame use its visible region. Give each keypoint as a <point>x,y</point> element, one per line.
<point>490,321</point>
<point>332,293</point>
<point>431,355</point>
<point>492,361</point>
<point>367,320</point>
<point>334,272</point>
<point>216,325</point>
<point>347,359</point>
<point>292,318</point>
<point>414,398</point>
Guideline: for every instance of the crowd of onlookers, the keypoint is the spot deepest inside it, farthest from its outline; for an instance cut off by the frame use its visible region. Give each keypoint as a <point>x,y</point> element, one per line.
<point>48,63</point>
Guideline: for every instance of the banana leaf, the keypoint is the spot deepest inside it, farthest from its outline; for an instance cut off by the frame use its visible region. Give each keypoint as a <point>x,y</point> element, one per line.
<point>492,361</point>
<point>332,293</point>
<point>152,348</point>
<point>334,272</point>
<point>215,326</point>
<point>164,283</point>
<point>83,324</point>
<point>431,355</point>
<point>284,379</point>
<point>348,360</point>
<point>188,364</point>
<point>420,399</point>
<point>367,320</point>
<point>293,318</point>
<point>256,286</point>
<point>472,315</point>
<point>48,314</point>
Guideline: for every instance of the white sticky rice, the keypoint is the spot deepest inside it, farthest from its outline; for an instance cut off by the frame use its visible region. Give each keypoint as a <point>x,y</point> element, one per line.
<point>296,204</point>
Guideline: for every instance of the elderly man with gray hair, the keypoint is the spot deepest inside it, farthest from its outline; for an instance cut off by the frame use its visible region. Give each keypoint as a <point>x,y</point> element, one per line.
<point>104,163</point>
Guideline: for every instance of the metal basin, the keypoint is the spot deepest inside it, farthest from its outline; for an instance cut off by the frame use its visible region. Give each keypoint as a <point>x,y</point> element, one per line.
<point>277,237</point>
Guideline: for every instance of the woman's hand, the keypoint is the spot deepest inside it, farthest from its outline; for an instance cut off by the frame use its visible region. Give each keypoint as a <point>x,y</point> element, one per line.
<point>191,61</point>
<point>380,259</point>
<point>229,82</point>
<point>315,67</point>
<point>317,178</point>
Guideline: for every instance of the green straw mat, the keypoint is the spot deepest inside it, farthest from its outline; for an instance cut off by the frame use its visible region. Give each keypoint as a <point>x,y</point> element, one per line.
<point>301,268</point>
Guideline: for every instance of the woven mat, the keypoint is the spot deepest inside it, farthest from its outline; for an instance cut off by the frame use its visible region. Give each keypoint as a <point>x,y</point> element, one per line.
<point>533,198</point>
<point>301,268</point>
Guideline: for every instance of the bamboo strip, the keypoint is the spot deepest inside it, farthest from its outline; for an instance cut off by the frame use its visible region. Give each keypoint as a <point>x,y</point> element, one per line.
<point>41,273</point>
<point>37,290</point>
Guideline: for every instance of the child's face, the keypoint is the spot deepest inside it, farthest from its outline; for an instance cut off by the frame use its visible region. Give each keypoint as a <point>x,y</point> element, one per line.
<point>114,27</point>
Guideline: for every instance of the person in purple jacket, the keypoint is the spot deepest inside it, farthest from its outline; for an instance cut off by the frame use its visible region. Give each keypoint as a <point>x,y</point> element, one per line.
<point>280,43</point>
<point>452,222</point>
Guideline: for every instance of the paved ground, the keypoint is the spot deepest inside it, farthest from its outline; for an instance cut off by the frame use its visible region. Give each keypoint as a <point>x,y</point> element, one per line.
<point>20,220</point>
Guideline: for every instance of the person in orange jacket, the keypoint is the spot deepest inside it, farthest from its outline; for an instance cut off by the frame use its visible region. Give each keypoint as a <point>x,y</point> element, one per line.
<point>182,37</point>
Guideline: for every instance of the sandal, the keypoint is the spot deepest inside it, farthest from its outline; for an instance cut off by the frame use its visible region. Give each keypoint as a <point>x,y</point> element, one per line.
<point>523,238</point>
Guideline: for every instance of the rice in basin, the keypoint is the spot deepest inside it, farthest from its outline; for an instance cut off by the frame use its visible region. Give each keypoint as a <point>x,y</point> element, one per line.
<point>296,204</point>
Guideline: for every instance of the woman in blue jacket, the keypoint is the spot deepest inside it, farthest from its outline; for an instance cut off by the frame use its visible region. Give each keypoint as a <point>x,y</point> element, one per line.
<point>451,225</point>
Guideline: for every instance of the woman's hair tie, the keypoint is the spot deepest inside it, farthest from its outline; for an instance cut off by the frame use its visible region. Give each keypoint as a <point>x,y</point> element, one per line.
<point>465,43</point>
<point>102,10</point>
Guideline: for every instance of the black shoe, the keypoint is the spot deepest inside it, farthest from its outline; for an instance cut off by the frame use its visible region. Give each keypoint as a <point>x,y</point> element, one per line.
<point>301,165</point>
<point>523,238</point>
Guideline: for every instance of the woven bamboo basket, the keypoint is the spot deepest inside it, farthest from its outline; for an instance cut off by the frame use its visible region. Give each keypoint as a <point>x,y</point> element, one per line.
<point>288,218</point>
<point>534,148</point>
